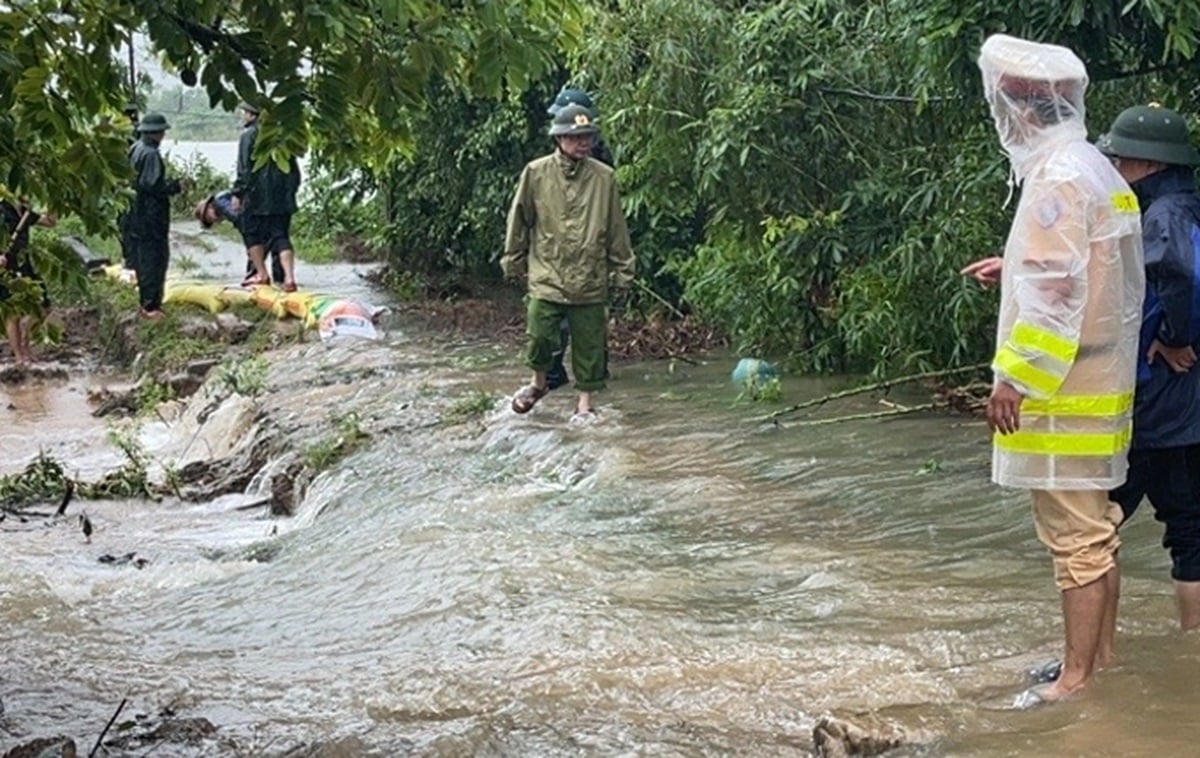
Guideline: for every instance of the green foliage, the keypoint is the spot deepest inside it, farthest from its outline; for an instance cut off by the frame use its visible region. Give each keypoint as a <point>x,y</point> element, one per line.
<point>159,347</point>
<point>346,438</point>
<point>403,284</point>
<point>337,212</point>
<point>151,393</point>
<point>347,74</point>
<point>757,389</point>
<point>201,180</point>
<point>931,466</point>
<point>244,376</point>
<point>448,201</point>
<point>813,174</point>
<point>61,271</point>
<point>42,479</point>
<point>474,405</point>
<point>132,479</point>
<point>807,175</point>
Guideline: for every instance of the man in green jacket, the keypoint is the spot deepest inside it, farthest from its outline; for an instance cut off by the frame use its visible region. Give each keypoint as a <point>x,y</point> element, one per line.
<point>568,238</point>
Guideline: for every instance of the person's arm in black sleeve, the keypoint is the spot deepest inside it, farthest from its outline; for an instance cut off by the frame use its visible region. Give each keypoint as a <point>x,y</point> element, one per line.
<point>1171,269</point>
<point>152,176</point>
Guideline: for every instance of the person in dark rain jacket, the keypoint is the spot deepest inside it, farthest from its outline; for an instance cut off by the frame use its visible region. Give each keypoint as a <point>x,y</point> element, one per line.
<point>266,198</point>
<point>150,216</point>
<point>1152,149</point>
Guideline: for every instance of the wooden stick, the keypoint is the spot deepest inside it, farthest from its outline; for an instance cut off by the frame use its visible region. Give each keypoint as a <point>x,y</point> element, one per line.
<point>883,385</point>
<point>108,726</point>
<point>901,411</point>
<point>20,227</point>
<point>645,288</point>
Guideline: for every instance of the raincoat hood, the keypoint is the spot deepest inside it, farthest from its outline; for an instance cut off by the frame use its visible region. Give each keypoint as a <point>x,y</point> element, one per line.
<point>1035,92</point>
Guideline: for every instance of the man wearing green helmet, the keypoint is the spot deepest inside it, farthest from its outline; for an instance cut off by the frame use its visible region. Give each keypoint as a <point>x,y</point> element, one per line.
<point>1152,149</point>
<point>569,95</point>
<point>567,237</point>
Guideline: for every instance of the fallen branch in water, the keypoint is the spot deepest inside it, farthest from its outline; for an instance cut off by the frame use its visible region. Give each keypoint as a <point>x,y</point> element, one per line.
<point>897,411</point>
<point>645,288</point>
<point>108,726</point>
<point>876,386</point>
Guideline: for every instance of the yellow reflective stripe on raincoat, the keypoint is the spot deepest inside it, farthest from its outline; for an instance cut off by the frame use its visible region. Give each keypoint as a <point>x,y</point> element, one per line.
<point>1025,335</point>
<point>1080,405</point>
<point>1050,443</point>
<point>1011,363</point>
<point>1125,202</point>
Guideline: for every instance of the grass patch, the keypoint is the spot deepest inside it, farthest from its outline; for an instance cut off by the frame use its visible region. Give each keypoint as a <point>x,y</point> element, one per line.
<point>246,377</point>
<point>347,437</point>
<point>185,263</point>
<point>472,406</point>
<point>312,249</point>
<point>162,346</point>
<point>759,390</point>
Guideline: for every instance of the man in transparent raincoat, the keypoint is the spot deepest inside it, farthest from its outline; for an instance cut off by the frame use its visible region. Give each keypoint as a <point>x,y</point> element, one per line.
<point>1071,297</point>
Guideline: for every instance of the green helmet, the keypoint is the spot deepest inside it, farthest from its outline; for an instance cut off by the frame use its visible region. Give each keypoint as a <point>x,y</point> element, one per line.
<point>573,120</point>
<point>571,96</point>
<point>1150,133</point>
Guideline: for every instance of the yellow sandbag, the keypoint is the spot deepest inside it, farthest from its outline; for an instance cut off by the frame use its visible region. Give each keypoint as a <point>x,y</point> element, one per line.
<point>206,296</point>
<point>236,296</point>
<point>120,273</point>
<point>269,299</point>
<point>300,305</point>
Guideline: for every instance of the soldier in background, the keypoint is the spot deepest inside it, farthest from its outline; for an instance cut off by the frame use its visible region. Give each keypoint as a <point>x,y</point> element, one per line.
<point>150,216</point>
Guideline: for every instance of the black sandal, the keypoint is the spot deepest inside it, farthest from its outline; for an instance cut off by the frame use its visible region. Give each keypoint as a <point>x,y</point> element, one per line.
<point>527,397</point>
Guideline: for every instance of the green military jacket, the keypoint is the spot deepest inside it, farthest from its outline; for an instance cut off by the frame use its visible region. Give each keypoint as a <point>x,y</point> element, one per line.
<point>567,231</point>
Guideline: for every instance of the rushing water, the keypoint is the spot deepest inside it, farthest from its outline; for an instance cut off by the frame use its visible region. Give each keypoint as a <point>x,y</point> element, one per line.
<point>675,580</point>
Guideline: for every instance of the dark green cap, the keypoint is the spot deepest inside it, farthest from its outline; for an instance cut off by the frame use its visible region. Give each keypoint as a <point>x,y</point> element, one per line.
<point>1150,133</point>
<point>153,122</point>
<point>572,120</point>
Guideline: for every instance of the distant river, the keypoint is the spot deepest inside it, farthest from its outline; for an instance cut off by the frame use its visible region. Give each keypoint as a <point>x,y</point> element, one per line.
<point>222,156</point>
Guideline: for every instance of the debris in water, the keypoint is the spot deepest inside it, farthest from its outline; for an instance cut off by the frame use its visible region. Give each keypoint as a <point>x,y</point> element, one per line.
<point>127,559</point>
<point>85,523</point>
<point>67,495</point>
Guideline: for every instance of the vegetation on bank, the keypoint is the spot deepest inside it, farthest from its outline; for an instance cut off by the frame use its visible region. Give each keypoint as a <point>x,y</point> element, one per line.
<point>806,176</point>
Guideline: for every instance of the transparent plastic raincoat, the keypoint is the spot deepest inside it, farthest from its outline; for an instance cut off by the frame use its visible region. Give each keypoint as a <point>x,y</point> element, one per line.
<point>1072,286</point>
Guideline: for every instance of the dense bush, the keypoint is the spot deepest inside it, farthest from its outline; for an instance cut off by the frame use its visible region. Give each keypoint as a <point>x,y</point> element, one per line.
<point>447,202</point>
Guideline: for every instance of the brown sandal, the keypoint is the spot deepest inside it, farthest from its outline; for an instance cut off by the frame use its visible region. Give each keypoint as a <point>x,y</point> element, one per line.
<point>527,397</point>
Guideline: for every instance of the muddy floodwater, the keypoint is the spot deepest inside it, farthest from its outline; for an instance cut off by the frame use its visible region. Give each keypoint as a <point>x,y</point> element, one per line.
<point>677,579</point>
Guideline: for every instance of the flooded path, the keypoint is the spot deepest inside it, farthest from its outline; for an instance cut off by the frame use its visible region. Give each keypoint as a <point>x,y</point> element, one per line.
<point>674,580</point>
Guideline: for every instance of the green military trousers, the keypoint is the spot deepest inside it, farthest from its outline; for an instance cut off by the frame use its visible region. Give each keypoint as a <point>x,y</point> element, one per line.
<point>588,326</point>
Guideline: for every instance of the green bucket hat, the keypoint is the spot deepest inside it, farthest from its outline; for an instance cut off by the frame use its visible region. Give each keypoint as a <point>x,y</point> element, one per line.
<point>573,120</point>
<point>1150,133</point>
<point>153,122</point>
